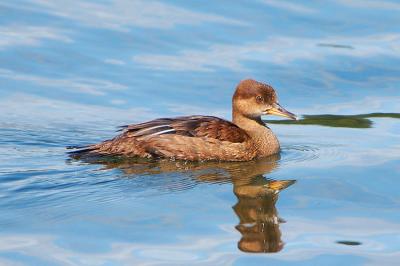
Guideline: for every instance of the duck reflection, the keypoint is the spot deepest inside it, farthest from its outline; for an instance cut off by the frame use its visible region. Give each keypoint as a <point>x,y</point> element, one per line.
<point>259,221</point>
<point>257,195</point>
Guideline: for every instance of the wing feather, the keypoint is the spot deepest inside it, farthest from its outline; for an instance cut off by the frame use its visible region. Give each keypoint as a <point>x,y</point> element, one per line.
<point>191,126</point>
<point>189,138</point>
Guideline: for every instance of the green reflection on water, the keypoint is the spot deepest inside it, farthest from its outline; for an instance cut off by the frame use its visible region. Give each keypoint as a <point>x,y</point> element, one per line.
<point>328,120</point>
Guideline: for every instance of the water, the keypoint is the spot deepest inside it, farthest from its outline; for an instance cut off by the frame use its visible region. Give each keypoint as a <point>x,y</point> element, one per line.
<point>72,71</point>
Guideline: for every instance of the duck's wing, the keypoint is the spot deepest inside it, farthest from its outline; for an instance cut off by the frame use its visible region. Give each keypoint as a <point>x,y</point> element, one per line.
<point>187,138</point>
<point>189,126</point>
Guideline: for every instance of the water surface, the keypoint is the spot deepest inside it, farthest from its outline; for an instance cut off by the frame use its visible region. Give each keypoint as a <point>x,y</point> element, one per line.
<point>72,71</point>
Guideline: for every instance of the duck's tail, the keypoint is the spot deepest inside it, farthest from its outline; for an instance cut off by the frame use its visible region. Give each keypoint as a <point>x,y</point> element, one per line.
<point>80,151</point>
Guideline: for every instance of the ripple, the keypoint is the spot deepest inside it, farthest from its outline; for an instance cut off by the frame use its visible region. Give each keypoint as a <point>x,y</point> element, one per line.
<point>161,183</point>
<point>300,153</point>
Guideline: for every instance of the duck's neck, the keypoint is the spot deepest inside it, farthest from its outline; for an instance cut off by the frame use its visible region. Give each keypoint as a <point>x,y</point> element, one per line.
<point>251,125</point>
<point>264,139</point>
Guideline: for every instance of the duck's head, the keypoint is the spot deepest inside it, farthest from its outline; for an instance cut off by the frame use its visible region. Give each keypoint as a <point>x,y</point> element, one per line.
<point>254,99</point>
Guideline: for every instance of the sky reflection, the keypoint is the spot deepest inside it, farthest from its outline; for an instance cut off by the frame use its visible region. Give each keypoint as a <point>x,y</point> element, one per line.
<point>112,46</point>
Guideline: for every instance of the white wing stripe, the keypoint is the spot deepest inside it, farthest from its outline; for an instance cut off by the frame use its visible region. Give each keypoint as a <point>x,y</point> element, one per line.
<point>140,132</point>
<point>160,133</point>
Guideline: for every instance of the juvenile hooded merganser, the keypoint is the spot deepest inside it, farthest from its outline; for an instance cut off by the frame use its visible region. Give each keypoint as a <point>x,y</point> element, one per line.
<point>198,137</point>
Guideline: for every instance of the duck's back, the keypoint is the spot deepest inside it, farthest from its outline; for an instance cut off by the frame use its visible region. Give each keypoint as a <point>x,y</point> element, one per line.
<point>187,138</point>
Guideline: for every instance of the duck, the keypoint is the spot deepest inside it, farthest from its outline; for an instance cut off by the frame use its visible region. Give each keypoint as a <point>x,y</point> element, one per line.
<point>203,138</point>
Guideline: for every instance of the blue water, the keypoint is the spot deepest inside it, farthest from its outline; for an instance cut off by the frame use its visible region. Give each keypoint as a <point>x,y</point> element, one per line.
<point>72,71</point>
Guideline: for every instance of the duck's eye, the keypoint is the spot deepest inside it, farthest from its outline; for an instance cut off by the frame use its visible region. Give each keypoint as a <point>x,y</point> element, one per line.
<point>259,99</point>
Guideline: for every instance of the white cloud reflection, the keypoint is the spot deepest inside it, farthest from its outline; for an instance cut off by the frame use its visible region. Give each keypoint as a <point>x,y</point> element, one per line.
<point>370,4</point>
<point>275,50</point>
<point>14,35</point>
<point>5,262</point>
<point>320,236</point>
<point>305,239</point>
<point>112,61</point>
<point>365,105</point>
<point>121,14</point>
<point>31,109</point>
<point>186,109</point>
<point>84,85</point>
<point>290,6</point>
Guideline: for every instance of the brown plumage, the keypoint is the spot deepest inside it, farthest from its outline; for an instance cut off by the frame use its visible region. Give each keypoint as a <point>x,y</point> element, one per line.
<point>203,137</point>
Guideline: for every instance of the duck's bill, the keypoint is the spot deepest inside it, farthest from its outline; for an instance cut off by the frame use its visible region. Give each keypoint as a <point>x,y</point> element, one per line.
<point>278,185</point>
<point>280,111</point>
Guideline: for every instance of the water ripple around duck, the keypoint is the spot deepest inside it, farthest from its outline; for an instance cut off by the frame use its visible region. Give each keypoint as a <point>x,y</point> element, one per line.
<point>301,153</point>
